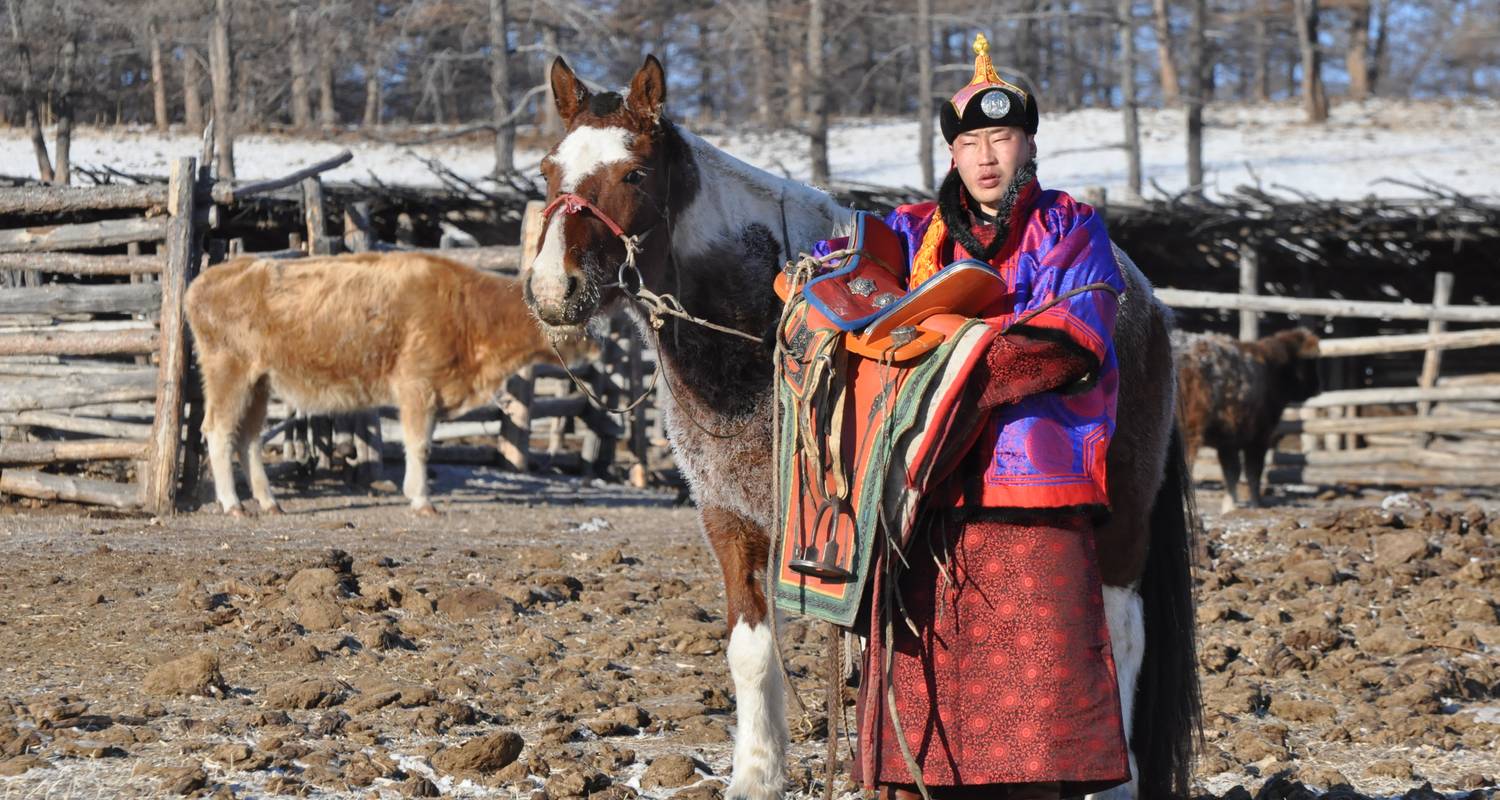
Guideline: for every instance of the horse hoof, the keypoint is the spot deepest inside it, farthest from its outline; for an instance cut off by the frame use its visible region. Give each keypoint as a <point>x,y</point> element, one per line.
<point>1226,505</point>
<point>426,510</point>
<point>238,511</point>
<point>272,509</point>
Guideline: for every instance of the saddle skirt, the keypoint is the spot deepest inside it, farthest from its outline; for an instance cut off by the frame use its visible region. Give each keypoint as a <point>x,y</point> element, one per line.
<point>870,379</point>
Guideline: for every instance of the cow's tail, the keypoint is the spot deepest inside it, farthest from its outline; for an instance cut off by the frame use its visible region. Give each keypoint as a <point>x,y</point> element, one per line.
<point>1168,724</point>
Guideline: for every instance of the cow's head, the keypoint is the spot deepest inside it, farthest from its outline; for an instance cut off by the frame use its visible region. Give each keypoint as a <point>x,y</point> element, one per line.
<point>609,175</point>
<point>1295,354</point>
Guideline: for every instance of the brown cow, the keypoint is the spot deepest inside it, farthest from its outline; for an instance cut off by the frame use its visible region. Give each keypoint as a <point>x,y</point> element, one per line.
<point>335,335</point>
<point>1231,395</point>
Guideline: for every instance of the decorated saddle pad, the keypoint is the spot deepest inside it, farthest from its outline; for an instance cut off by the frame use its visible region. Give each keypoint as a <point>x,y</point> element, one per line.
<point>865,414</point>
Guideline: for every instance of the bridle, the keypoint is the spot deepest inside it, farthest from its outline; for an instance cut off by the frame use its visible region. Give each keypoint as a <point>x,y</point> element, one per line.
<point>656,306</point>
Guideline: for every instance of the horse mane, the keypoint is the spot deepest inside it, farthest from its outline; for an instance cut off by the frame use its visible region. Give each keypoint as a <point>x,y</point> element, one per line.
<point>733,192</point>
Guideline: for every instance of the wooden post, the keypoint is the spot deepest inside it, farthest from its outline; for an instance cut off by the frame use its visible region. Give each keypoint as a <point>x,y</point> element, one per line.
<point>160,484</point>
<point>531,232</point>
<point>318,243</point>
<point>515,422</point>
<point>1442,292</point>
<point>1249,284</point>
<point>221,68</point>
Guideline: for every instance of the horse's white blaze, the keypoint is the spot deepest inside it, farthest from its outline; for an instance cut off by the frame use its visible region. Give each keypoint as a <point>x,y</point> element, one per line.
<point>585,150</point>
<point>760,737</point>
<point>549,277</point>
<point>1125,615</point>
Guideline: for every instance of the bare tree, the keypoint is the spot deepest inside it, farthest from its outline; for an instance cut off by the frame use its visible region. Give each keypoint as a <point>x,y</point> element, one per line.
<point>1169,81</point>
<point>505,126</point>
<point>192,94</point>
<point>1356,55</point>
<point>301,102</point>
<point>374,58</point>
<point>1314,96</point>
<point>1126,11</point>
<point>29,102</point>
<point>1197,84</point>
<point>925,93</point>
<point>158,79</point>
<point>817,97</point>
<point>221,69</point>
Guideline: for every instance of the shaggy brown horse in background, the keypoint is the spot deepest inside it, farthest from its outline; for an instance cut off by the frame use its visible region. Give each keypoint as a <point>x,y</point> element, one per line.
<point>628,186</point>
<point>1233,394</point>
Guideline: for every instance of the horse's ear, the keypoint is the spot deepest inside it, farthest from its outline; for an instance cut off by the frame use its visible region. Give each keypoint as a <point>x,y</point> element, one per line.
<point>648,91</point>
<point>568,92</point>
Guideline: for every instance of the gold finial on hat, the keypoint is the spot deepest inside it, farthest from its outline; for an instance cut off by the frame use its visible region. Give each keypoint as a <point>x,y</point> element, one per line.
<point>984,69</point>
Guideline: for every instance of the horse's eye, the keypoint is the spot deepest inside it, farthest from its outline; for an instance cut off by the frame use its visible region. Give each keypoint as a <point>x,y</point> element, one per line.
<point>635,176</point>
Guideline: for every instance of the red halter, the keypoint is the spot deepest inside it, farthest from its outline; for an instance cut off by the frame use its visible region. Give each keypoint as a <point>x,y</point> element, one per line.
<point>570,203</point>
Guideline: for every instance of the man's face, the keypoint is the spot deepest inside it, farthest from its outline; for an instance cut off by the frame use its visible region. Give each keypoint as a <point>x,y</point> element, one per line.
<point>988,159</point>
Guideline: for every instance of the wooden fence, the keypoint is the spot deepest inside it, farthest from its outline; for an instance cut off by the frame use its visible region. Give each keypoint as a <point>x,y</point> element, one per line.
<point>102,317</point>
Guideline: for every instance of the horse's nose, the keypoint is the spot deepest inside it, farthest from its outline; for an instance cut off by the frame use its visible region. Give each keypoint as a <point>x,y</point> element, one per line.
<point>555,294</point>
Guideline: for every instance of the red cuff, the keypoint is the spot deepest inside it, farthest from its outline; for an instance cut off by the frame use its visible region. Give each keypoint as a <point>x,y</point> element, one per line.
<point>1019,366</point>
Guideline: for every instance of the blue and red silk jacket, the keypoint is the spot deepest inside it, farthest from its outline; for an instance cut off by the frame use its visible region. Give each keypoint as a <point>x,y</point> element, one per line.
<point>1048,448</point>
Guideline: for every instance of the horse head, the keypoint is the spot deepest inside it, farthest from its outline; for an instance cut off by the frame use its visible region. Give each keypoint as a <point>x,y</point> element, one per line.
<point>610,187</point>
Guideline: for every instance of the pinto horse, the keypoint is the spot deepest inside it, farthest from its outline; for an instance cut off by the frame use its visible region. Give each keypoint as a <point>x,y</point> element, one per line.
<point>634,197</point>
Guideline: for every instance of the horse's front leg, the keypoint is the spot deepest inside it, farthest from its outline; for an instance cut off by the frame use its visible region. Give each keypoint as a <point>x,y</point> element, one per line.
<point>760,739</point>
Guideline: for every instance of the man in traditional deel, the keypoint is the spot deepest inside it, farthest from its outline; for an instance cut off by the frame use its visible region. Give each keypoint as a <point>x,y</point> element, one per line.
<point>1003,680</point>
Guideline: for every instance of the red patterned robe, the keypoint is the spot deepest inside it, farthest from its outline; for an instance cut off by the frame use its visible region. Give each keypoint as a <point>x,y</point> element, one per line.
<point>1001,656</point>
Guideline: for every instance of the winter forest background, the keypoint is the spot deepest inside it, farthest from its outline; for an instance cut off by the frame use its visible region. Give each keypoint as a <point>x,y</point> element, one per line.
<point>388,71</point>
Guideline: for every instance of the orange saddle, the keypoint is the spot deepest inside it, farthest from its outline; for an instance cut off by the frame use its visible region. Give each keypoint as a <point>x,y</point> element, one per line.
<point>865,296</point>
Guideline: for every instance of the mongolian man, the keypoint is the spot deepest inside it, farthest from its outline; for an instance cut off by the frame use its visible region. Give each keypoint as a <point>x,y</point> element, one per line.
<point>1000,669</point>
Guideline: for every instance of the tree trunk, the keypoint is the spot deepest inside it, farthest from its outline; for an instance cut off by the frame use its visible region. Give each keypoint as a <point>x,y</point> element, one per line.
<point>705,75</point>
<point>1262,71</point>
<point>924,94</point>
<point>1314,97</point>
<point>158,81</point>
<point>221,69</point>
<point>28,95</point>
<point>327,115</point>
<point>61,169</point>
<point>1126,11</point>
<point>1197,85</point>
<point>192,97</point>
<point>817,100</point>
<point>1356,58</point>
<point>1379,66</point>
<point>763,62</point>
<point>301,102</point>
<point>551,122</point>
<point>374,97</point>
<point>1170,93</point>
<point>505,126</point>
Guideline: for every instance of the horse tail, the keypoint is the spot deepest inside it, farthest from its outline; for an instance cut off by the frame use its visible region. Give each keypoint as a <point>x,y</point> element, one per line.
<point>1169,715</point>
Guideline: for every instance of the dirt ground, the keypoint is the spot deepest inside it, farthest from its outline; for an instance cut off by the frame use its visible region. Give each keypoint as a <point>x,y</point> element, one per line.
<point>551,635</point>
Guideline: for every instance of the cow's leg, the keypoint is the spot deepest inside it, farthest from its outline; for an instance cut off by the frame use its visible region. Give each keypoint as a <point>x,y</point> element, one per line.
<point>226,392</point>
<point>761,736</point>
<point>1255,465</point>
<point>1125,615</point>
<point>417,420</point>
<point>1229,463</point>
<point>250,450</point>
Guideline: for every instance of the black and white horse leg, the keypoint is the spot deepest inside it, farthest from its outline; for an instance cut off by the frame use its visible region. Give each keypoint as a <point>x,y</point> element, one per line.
<point>761,736</point>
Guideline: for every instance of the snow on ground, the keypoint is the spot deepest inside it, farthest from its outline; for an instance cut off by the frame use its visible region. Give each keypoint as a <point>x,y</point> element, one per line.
<point>1450,144</point>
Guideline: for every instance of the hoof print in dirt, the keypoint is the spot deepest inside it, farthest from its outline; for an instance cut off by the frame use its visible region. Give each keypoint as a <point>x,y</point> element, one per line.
<point>482,755</point>
<point>195,674</point>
